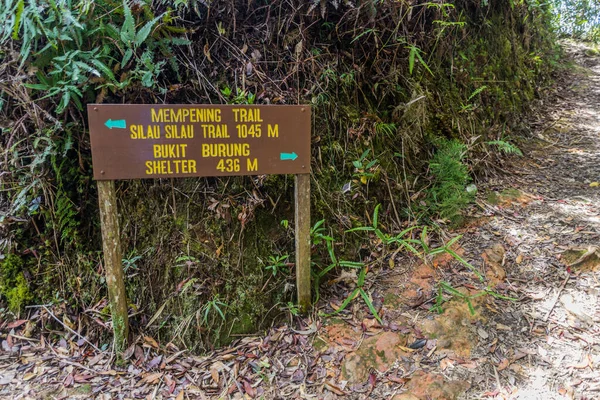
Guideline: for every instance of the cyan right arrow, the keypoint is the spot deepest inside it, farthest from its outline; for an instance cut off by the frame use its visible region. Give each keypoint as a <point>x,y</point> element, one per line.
<point>288,156</point>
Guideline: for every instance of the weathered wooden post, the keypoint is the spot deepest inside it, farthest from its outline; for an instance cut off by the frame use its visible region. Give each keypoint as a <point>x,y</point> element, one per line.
<point>302,217</point>
<point>111,245</point>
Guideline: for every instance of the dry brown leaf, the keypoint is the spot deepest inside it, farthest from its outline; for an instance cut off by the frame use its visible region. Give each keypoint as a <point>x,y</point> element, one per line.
<point>82,378</point>
<point>29,376</point>
<point>445,363</point>
<point>68,380</point>
<point>215,375</point>
<point>180,395</point>
<point>150,341</point>
<point>207,52</point>
<point>334,388</point>
<point>503,364</point>
<point>152,378</point>
<point>16,323</point>
<point>249,389</point>
<point>95,360</point>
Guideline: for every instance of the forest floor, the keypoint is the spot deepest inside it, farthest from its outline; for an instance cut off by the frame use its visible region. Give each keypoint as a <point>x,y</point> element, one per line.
<point>534,233</point>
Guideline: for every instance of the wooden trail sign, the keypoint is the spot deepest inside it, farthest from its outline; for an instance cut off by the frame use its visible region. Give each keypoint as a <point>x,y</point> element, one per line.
<point>136,141</point>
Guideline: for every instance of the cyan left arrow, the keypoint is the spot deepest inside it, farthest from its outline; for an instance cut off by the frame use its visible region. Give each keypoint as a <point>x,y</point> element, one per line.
<point>116,123</point>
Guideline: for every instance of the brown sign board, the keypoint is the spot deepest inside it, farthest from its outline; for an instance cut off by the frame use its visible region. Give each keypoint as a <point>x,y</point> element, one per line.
<point>136,141</point>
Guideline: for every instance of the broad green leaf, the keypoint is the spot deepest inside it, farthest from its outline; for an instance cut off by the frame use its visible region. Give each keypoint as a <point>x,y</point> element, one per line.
<point>18,16</point>
<point>126,57</point>
<point>143,33</point>
<point>411,59</point>
<point>105,70</point>
<point>376,215</point>
<point>128,29</point>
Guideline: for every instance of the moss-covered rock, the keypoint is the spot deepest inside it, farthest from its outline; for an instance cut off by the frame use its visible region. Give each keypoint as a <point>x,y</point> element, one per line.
<point>13,285</point>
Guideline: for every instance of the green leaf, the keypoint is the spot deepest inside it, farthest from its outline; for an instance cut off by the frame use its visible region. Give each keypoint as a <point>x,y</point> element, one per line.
<point>104,69</point>
<point>453,240</point>
<point>143,33</point>
<point>361,277</point>
<point>64,102</point>
<point>351,264</point>
<point>376,215</point>
<point>382,236</point>
<point>477,91</point>
<point>345,303</point>
<point>18,16</point>
<point>424,240</point>
<point>128,28</point>
<point>423,62</point>
<point>471,308</point>
<point>36,86</point>
<point>331,252</point>
<point>411,59</point>
<point>447,287</point>
<point>126,57</point>
<point>404,232</point>
<point>367,300</point>
<point>323,272</point>
<point>371,164</point>
<point>465,263</point>
<point>361,228</point>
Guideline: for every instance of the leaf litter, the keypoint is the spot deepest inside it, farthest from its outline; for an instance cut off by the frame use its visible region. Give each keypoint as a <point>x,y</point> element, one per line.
<point>535,237</point>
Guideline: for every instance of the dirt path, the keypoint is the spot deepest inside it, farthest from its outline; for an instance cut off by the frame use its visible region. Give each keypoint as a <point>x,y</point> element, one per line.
<point>533,233</point>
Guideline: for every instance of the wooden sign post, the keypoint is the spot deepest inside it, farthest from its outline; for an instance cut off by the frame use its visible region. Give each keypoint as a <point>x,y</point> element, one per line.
<point>138,141</point>
<point>111,245</point>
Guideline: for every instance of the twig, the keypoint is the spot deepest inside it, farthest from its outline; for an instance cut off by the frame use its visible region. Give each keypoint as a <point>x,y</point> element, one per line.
<point>393,203</point>
<point>497,379</point>
<point>556,298</point>
<point>71,330</point>
<point>25,338</point>
<point>76,364</point>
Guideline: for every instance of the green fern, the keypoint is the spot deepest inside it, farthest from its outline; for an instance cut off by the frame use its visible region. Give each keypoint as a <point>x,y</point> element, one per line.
<point>506,147</point>
<point>66,216</point>
<point>448,195</point>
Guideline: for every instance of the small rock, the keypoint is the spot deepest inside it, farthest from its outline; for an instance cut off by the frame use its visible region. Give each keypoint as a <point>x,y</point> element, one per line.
<point>377,352</point>
<point>431,386</point>
<point>502,327</point>
<point>482,333</point>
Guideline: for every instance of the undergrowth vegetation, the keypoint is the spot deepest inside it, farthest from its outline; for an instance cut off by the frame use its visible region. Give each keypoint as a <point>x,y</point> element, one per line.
<point>409,99</point>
